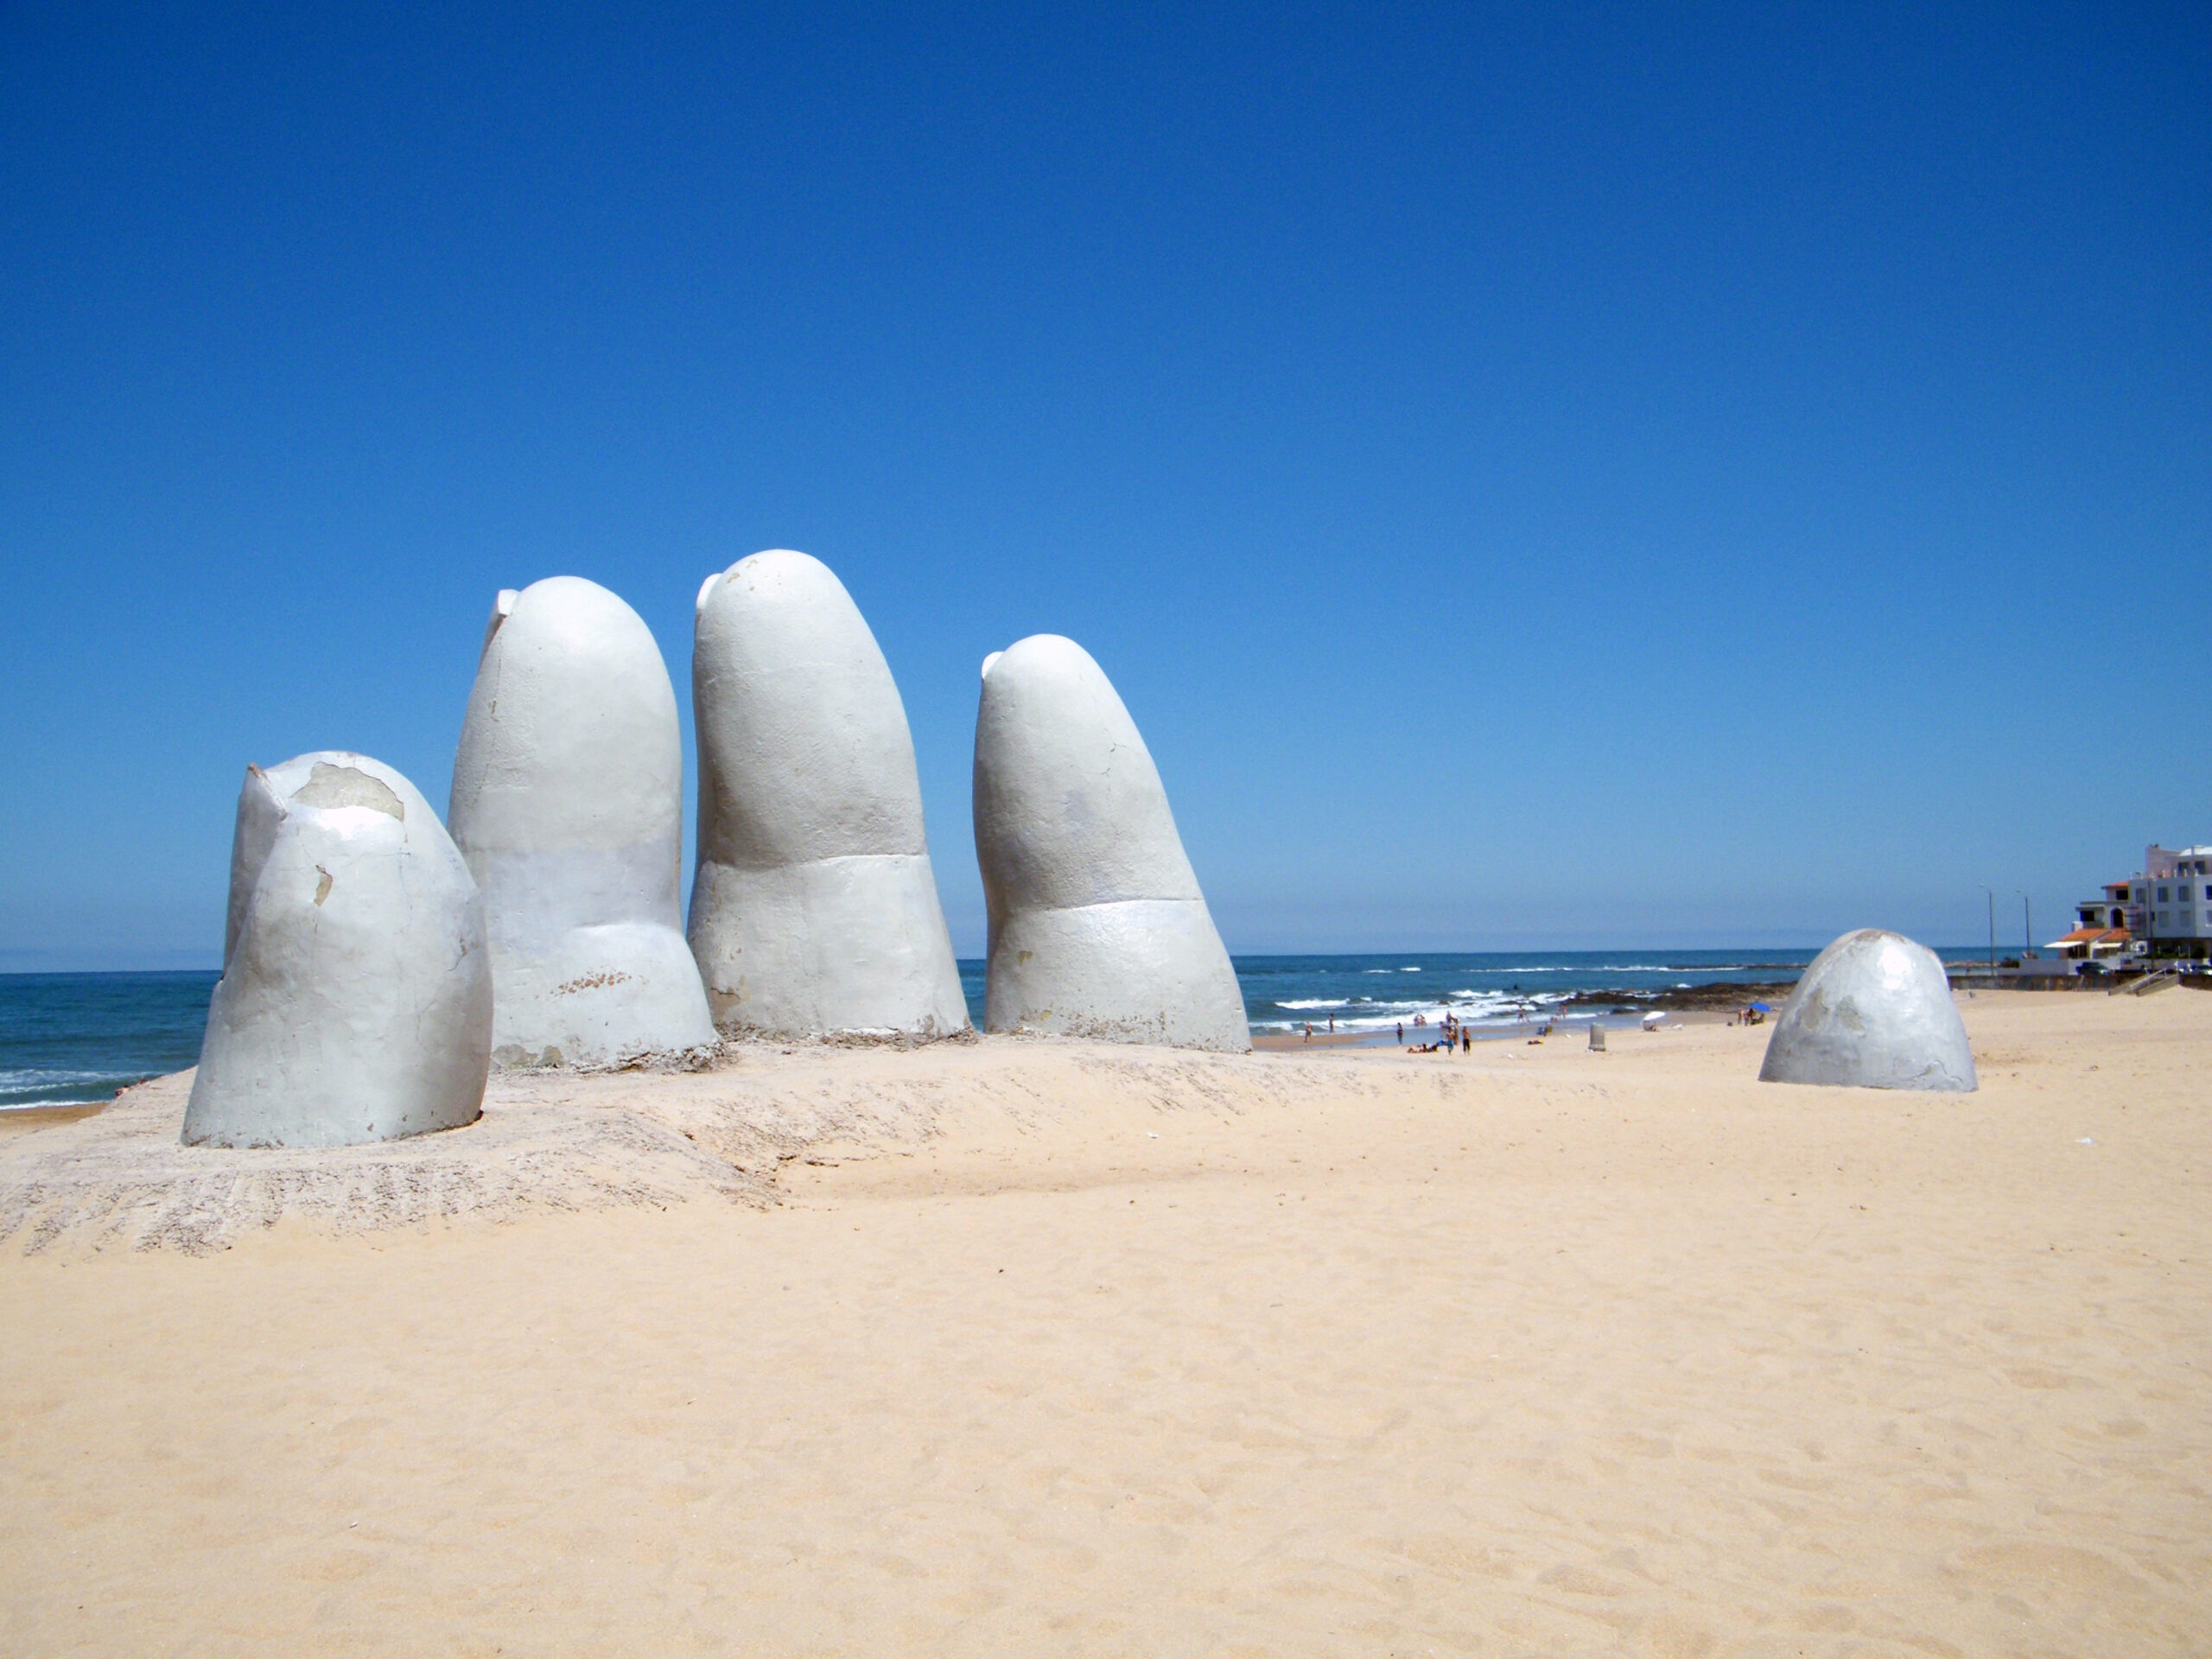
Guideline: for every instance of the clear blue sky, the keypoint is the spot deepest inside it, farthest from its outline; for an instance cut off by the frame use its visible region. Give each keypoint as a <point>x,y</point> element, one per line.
<point>1542,477</point>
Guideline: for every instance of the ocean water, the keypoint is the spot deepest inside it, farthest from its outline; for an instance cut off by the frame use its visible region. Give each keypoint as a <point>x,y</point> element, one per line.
<point>66,1039</point>
<point>1492,991</point>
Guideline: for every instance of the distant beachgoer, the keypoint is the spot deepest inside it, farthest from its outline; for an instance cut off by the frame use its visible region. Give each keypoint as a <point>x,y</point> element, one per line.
<point>1466,1040</point>
<point>1401,1031</point>
<point>1309,1031</point>
<point>1333,1025</point>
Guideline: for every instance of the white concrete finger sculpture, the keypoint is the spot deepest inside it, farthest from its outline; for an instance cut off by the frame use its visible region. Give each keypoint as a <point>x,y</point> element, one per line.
<point>815,911</point>
<point>1874,1011</point>
<point>356,997</point>
<point>1097,925</point>
<point>567,803</point>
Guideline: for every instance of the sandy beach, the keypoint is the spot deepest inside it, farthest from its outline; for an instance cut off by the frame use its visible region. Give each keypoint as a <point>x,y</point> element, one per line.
<point>1039,1347</point>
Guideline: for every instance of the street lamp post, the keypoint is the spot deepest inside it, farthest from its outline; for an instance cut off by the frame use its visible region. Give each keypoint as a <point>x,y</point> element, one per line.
<point>2027,926</point>
<point>1992,891</point>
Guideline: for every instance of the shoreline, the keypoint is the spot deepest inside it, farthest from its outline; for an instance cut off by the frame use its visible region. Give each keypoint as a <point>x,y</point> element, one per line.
<point>137,1024</point>
<point>1563,1029</point>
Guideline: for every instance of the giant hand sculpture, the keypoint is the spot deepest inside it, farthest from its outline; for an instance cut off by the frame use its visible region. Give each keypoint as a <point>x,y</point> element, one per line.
<point>356,999</point>
<point>567,803</point>
<point>1097,927</point>
<point>1874,1011</point>
<point>814,911</point>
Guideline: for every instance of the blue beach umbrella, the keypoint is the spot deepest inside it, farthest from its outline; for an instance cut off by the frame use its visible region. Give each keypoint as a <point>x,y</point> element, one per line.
<point>1760,1007</point>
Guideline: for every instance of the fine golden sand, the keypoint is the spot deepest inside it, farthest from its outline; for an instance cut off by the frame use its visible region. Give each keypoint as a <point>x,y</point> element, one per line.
<point>1038,1348</point>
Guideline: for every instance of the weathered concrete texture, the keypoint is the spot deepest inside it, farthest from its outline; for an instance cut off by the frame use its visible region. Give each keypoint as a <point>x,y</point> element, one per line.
<point>1874,1011</point>
<point>814,911</point>
<point>356,998</point>
<point>567,804</point>
<point>1097,927</point>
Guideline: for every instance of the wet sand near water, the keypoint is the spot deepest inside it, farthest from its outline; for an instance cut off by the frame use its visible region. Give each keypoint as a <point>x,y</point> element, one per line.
<point>21,1120</point>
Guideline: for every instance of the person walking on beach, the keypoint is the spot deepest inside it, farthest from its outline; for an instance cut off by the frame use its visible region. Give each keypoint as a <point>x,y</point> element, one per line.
<point>1402,1032</point>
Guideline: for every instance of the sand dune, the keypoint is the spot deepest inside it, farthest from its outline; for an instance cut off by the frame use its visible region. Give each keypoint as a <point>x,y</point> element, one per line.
<point>1035,1347</point>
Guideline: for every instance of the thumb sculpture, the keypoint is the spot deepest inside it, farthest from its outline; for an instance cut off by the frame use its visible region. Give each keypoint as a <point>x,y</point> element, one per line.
<point>356,998</point>
<point>1874,1011</point>
<point>815,911</point>
<point>1097,927</point>
<point>567,804</point>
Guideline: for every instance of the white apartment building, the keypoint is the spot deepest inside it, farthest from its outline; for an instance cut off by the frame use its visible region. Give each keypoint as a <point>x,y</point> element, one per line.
<point>2163,910</point>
